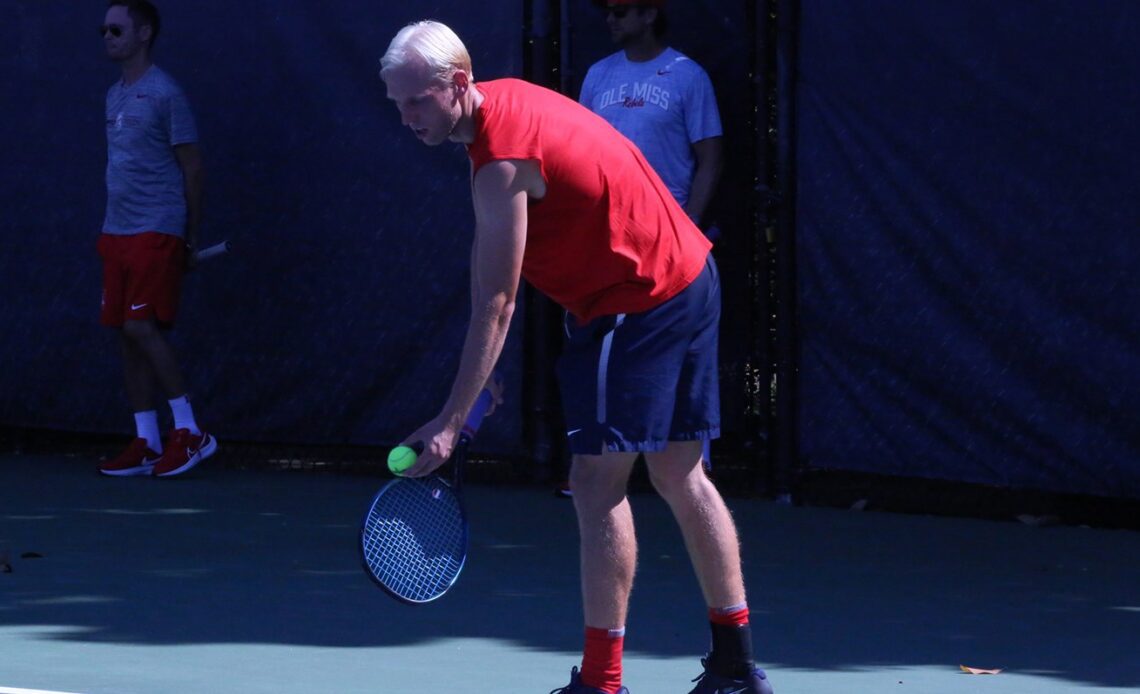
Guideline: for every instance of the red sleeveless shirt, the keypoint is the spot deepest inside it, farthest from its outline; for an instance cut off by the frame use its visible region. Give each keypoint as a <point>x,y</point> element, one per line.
<point>608,237</point>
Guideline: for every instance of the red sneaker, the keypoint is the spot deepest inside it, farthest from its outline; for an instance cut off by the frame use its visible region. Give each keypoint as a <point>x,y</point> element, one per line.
<point>138,459</point>
<point>183,451</point>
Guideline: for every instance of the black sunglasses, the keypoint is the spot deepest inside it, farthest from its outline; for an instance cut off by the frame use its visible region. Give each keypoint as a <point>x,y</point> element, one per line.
<point>115,30</point>
<point>619,11</point>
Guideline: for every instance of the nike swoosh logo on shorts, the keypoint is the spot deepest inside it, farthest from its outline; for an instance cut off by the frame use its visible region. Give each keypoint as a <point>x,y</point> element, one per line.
<point>572,432</point>
<point>135,307</point>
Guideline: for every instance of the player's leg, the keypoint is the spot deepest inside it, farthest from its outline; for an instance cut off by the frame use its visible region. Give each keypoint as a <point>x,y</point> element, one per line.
<point>608,547</point>
<point>153,287</point>
<point>676,471</point>
<point>156,264</point>
<point>146,449</point>
<point>599,473</point>
<point>139,376</point>
<point>705,522</point>
<point>713,547</point>
<point>607,562</point>
<point>149,357</point>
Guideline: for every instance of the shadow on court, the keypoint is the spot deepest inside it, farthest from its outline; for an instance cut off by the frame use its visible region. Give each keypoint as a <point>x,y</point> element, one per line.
<point>250,559</point>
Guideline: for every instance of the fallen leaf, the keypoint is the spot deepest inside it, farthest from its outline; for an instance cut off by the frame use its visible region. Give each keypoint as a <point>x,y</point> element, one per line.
<point>979,671</point>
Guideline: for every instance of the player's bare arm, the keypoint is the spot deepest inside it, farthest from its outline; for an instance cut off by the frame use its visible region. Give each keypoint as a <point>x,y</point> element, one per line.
<point>709,156</point>
<point>499,192</point>
<point>190,161</point>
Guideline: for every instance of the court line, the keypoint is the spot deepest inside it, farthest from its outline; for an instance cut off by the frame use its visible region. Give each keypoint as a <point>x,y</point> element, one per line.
<point>13,690</point>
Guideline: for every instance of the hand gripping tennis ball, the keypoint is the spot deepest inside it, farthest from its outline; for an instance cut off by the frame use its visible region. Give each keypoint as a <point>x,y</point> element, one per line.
<point>401,458</point>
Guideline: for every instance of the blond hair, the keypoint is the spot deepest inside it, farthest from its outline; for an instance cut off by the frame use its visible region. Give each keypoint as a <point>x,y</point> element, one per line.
<point>433,42</point>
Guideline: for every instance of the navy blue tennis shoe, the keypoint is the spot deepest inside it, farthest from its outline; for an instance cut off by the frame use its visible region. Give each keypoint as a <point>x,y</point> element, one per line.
<point>755,682</point>
<point>576,686</point>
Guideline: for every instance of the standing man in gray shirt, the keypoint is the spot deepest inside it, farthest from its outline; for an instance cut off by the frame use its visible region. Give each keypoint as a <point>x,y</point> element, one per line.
<point>154,194</point>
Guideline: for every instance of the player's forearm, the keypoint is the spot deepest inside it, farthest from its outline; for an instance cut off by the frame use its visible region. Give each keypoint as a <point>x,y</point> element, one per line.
<point>193,184</point>
<point>706,177</point>
<point>486,335</point>
<point>700,194</point>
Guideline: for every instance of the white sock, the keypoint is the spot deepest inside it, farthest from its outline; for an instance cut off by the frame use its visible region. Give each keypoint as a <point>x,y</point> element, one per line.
<point>146,423</point>
<point>184,415</point>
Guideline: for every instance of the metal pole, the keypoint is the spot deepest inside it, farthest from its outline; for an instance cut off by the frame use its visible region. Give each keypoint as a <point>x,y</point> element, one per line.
<point>540,329</point>
<point>787,356</point>
<point>758,370</point>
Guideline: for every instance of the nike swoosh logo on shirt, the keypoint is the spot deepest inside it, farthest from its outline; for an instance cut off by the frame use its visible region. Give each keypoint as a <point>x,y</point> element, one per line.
<point>135,307</point>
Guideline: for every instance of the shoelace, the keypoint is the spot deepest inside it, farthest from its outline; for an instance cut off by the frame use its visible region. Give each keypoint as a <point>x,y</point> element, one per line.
<point>698,678</point>
<point>568,688</point>
<point>704,664</point>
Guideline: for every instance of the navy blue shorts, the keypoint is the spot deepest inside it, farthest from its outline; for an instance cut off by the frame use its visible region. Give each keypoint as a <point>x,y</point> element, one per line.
<point>634,382</point>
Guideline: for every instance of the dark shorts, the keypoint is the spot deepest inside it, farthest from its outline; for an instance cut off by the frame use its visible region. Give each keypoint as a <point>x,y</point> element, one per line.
<point>634,382</point>
<point>142,277</point>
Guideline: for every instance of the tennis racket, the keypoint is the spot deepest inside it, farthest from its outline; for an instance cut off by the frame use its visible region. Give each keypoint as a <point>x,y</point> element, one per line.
<point>413,539</point>
<point>212,251</point>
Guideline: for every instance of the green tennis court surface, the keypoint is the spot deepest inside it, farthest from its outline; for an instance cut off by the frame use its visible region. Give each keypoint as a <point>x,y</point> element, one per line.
<point>243,581</point>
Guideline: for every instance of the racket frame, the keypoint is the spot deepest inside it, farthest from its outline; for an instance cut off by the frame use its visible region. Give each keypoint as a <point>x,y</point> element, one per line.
<point>454,487</point>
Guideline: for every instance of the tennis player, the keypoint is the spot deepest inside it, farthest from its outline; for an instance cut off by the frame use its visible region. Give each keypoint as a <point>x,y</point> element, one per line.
<point>154,193</point>
<point>564,200</point>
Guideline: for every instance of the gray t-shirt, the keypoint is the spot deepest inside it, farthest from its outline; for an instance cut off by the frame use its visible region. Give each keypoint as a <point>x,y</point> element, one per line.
<point>662,105</point>
<point>145,121</point>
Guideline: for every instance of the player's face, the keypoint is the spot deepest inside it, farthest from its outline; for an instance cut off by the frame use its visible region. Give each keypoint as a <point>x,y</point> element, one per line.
<point>427,106</point>
<point>626,23</point>
<point>121,38</point>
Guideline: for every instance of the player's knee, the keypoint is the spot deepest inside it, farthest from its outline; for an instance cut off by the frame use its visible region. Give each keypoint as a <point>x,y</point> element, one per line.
<point>672,479</point>
<point>667,480</point>
<point>596,482</point>
<point>674,472</point>
<point>139,330</point>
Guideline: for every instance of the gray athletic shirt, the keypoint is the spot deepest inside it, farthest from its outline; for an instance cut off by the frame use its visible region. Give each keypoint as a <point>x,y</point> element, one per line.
<point>145,121</point>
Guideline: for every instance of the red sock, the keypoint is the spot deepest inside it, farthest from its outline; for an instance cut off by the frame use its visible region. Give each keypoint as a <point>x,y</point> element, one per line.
<point>601,659</point>
<point>735,616</point>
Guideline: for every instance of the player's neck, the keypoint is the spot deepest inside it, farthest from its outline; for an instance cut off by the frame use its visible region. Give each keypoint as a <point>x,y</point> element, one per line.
<point>643,48</point>
<point>135,67</point>
<point>464,131</point>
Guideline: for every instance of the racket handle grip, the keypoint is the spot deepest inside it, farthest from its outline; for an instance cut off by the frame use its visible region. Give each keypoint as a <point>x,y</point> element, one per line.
<point>474,419</point>
<point>211,251</point>
<point>478,411</point>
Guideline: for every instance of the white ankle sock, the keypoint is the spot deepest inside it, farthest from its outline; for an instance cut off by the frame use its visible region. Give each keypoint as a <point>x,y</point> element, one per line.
<point>146,423</point>
<point>184,415</point>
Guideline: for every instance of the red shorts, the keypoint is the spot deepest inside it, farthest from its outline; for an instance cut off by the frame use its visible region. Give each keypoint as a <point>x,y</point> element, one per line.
<point>142,277</point>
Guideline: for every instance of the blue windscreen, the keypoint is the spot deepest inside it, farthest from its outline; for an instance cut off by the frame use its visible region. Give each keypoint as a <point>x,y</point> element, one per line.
<point>968,214</point>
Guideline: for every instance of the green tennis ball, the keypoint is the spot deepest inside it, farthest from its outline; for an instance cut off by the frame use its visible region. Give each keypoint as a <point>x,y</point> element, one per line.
<point>401,458</point>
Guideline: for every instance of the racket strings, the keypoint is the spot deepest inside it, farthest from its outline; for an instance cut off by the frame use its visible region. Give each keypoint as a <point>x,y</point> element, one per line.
<point>414,539</point>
